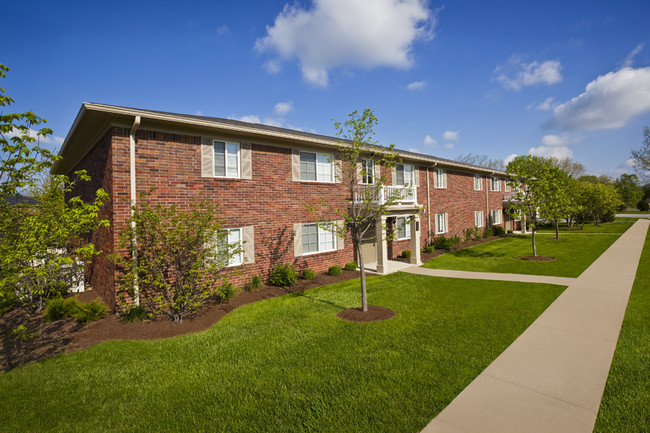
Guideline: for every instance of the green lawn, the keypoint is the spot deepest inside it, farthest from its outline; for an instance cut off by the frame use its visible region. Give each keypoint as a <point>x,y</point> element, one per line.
<point>617,219</point>
<point>573,253</point>
<point>613,227</point>
<point>626,402</point>
<point>286,364</point>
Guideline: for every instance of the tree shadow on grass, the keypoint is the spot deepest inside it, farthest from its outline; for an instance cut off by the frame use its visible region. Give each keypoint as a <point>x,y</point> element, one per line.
<point>470,253</point>
<point>315,299</point>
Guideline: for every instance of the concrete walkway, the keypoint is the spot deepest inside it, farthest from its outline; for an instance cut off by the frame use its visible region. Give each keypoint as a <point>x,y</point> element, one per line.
<point>551,379</point>
<point>562,281</point>
<point>633,215</point>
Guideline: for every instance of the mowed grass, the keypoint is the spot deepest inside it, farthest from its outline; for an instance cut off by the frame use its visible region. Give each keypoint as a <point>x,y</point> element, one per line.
<point>625,406</point>
<point>286,365</point>
<point>573,254</point>
<point>612,227</point>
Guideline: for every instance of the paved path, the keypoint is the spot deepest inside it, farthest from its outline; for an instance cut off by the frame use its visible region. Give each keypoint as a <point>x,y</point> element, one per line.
<point>551,379</point>
<point>562,281</point>
<point>633,215</point>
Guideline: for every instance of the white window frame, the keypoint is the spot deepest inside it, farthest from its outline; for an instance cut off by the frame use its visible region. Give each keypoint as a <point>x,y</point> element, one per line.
<point>226,154</point>
<point>322,160</point>
<point>440,178</point>
<point>478,182</point>
<point>495,181</point>
<point>496,217</point>
<point>320,233</point>
<point>507,186</point>
<point>478,218</point>
<point>408,170</point>
<point>442,223</point>
<point>367,166</point>
<point>406,224</point>
<point>236,259</point>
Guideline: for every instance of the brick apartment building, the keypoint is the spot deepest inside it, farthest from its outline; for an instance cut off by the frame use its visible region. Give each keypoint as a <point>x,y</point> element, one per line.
<point>262,177</point>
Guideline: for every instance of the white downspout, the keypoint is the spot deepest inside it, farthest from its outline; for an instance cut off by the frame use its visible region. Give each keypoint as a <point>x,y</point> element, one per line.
<point>134,251</point>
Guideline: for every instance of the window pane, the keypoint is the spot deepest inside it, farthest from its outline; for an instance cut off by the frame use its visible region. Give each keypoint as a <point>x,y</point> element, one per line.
<point>408,175</point>
<point>232,152</point>
<point>309,238</point>
<point>307,166</point>
<point>368,169</point>
<point>399,174</point>
<point>234,241</point>
<point>326,240</point>
<point>441,178</point>
<point>219,158</point>
<point>324,169</point>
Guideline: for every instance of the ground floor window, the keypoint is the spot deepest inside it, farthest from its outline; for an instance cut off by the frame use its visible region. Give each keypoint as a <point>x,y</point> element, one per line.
<point>478,218</point>
<point>403,228</point>
<point>231,244</point>
<point>441,223</point>
<point>317,239</point>
<point>496,216</point>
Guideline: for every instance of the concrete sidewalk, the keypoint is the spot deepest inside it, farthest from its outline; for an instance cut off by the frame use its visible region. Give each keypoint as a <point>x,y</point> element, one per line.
<point>562,281</point>
<point>553,376</point>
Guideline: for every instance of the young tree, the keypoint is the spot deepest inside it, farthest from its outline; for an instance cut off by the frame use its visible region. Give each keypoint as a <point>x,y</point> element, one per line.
<point>642,156</point>
<point>629,187</point>
<point>599,199</point>
<point>180,256</point>
<point>363,208</point>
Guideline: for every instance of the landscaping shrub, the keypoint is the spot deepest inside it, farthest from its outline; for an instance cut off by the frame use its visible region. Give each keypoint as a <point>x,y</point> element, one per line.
<point>454,240</point>
<point>224,292</point>
<point>441,243</point>
<point>487,232</point>
<point>283,275</point>
<point>428,249</point>
<point>608,217</point>
<point>643,206</point>
<point>498,231</point>
<point>88,312</point>
<point>351,266</point>
<point>255,283</point>
<point>510,231</point>
<point>308,274</point>
<point>406,254</point>
<point>134,313</point>
<point>59,308</point>
<point>21,333</point>
<point>334,270</point>
<point>471,233</point>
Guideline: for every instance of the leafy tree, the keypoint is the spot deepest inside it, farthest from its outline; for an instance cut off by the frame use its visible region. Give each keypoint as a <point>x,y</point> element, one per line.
<point>572,168</point>
<point>597,200</point>
<point>629,187</point>
<point>179,257</point>
<point>642,156</point>
<point>362,208</point>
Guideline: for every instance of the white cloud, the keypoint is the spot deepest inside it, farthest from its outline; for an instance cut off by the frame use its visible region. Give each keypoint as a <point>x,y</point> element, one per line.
<point>414,150</point>
<point>628,167</point>
<point>509,158</point>
<point>283,108</point>
<point>448,145</point>
<point>222,29</point>
<point>50,139</point>
<point>547,104</point>
<point>416,85</point>
<point>251,118</point>
<point>608,102</point>
<point>334,33</point>
<point>518,74</point>
<point>198,113</point>
<point>555,146</point>
<point>430,141</point>
<point>559,140</point>
<point>450,135</point>
<point>273,66</point>
<point>629,60</point>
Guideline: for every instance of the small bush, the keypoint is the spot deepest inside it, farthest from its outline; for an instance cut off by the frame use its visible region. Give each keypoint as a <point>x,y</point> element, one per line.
<point>88,312</point>
<point>134,313</point>
<point>334,270</point>
<point>21,333</point>
<point>59,308</point>
<point>283,275</point>
<point>471,233</point>
<point>441,243</point>
<point>510,231</point>
<point>454,240</point>
<point>608,217</point>
<point>498,231</point>
<point>224,292</point>
<point>406,254</point>
<point>352,266</point>
<point>428,249</point>
<point>7,303</point>
<point>487,232</point>
<point>308,274</point>
<point>255,283</point>
<point>643,206</point>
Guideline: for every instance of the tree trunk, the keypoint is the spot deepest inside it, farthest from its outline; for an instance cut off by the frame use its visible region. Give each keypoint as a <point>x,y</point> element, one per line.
<point>534,247</point>
<point>557,229</point>
<point>362,275</point>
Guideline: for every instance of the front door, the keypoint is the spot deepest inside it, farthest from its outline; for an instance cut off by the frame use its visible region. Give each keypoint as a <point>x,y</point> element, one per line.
<point>369,247</point>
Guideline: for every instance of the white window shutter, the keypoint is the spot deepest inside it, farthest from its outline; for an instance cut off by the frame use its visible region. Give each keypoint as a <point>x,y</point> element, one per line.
<point>249,244</point>
<point>359,170</point>
<point>295,165</point>
<point>416,176</point>
<point>446,222</point>
<point>435,223</point>
<point>435,178</point>
<point>297,240</point>
<point>246,164</point>
<point>207,157</point>
<point>444,179</point>
<point>338,169</point>
<point>393,175</point>
<point>339,239</point>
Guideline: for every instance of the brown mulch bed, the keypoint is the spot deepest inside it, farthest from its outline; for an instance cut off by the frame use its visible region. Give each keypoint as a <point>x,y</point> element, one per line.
<point>375,313</point>
<point>63,336</point>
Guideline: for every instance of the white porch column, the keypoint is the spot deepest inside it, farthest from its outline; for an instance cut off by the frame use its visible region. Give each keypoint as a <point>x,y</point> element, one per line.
<point>382,246</point>
<point>415,240</point>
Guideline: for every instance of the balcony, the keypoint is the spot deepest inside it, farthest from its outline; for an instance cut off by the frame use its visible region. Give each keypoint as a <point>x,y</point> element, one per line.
<point>397,195</point>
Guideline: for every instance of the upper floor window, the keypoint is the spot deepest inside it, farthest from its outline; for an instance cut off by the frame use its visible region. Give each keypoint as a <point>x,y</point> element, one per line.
<point>231,244</point>
<point>403,227</point>
<point>367,171</point>
<point>404,174</point>
<point>318,167</point>
<point>316,239</point>
<point>496,184</point>
<point>226,159</point>
<point>440,180</point>
<point>508,187</point>
<point>478,185</point>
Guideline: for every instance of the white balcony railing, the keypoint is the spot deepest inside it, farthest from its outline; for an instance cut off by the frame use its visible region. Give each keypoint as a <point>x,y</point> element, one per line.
<point>384,194</point>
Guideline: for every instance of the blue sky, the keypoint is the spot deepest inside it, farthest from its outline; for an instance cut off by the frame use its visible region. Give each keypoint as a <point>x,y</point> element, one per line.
<point>555,78</point>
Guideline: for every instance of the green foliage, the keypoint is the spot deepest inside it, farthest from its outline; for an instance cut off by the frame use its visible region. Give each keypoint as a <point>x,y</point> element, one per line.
<point>487,232</point>
<point>224,292</point>
<point>596,201</point>
<point>454,240</point>
<point>22,333</point>
<point>643,205</point>
<point>284,275</point>
<point>498,231</point>
<point>308,274</point>
<point>351,266</point>
<point>134,313</point>
<point>89,312</point>
<point>441,242</point>
<point>510,231</point>
<point>82,312</point>
<point>471,233</point>
<point>255,283</point>
<point>334,270</point>
<point>629,187</point>
<point>428,249</point>
<point>406,254</point>
<point>7,303</point>
<point>642,156</point>
<point>179,256</point>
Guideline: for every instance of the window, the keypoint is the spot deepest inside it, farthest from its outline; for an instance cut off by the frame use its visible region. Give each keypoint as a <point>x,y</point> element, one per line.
<point>440,178</point>
<point>441,223</point>
<point>508,188</point>
<point>231,243</point>
<point>403,227</point>
<point>478,218</point>
<point>367,171</point>
<point>496,216</point>
<point>316,239</point>
<point>226,159</point>
<point>478,185</point>
<point>496,184</point>
<point>404,174</point>
<point>317,167</point>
